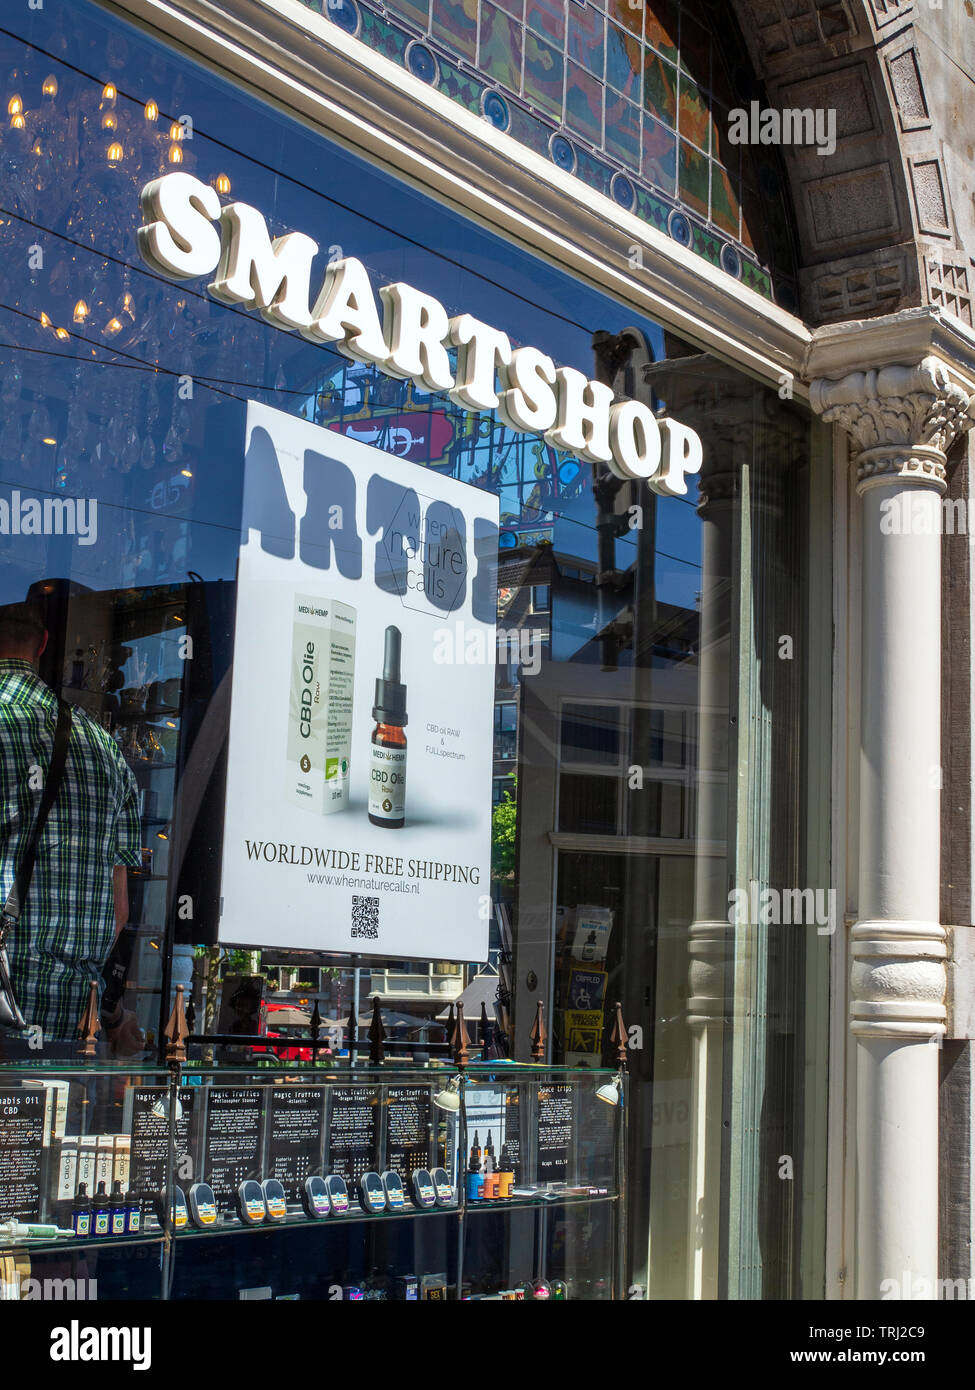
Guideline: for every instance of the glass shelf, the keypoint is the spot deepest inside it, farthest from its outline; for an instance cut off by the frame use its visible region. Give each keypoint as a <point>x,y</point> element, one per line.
<point>79,1247</point>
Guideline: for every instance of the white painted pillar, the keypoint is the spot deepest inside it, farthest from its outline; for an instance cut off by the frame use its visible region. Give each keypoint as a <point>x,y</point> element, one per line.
<point>902,420</point>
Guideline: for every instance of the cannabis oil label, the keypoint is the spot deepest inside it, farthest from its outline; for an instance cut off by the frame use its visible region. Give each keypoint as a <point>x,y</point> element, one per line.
<point>322,678</point>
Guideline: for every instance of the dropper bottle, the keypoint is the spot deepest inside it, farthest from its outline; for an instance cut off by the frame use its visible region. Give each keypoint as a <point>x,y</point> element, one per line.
<point>387,763</point>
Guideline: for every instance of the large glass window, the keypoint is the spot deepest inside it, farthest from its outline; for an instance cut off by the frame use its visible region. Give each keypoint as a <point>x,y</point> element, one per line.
<point>660,733</point>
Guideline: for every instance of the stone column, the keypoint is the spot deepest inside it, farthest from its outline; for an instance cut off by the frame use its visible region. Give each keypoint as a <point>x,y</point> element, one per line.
<point>711,944</point>
<point>902,420</point>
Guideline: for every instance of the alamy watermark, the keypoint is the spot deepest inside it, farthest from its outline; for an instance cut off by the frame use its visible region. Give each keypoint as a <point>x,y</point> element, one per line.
<point>764,125</point>
<point>913,1287</point>
<point>461,645</point>
<point>799,907</point>
<point>923,514</point>
<point>23,515</point>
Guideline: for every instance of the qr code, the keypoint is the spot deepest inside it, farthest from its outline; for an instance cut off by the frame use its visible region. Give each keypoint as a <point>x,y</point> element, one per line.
<point>365,917</point>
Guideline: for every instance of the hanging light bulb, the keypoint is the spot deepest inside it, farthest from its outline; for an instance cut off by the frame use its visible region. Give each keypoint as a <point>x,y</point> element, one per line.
<point>37,148</point>
<point>113,326</point>
<point>128,305</point>
<point>175,131</point>
<point>175,154</point>
<point>45,321</point>
<point>49,87</point>
<point>151,110</point>
<point>17,121</point>
<point>109,121</point>
<point>222,183</point>
<point>15,107</point>
<point>108,92</point>
<point>62,333</point>
<point>115,153</point>
<point>80,311</point>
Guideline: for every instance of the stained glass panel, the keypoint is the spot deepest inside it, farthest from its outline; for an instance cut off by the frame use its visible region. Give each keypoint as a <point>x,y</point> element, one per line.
<point>641,87</point>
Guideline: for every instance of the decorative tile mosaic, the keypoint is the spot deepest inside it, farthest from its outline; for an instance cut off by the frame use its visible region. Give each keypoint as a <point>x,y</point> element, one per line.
<point>385,38</point>
<point>637,89</point>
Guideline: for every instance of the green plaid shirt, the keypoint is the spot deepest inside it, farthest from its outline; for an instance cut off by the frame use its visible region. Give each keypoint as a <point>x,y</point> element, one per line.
<point>67,927</point>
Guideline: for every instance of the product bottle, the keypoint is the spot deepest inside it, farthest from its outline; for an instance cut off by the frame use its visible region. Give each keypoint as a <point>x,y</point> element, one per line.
<point>117,1209</point>
<point>506,1173</point>
<point>489,1146</point>
<point>81,1213</point>
<point>133,1213</point>
<point>101,1212</point>
<point>490,1190</point>
<point>387,762</point>
<point>476,1153</point>
<point>475,1181</point>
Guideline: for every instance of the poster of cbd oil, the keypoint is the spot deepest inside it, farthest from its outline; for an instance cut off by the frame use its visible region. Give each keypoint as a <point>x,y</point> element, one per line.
<point>358,807</point>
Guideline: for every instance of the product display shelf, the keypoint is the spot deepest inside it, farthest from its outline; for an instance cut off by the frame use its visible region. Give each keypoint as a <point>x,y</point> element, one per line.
<point>237,1123</point>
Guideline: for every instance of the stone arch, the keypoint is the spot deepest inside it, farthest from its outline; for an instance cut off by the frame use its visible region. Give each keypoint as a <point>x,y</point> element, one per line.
<point>879,228</point>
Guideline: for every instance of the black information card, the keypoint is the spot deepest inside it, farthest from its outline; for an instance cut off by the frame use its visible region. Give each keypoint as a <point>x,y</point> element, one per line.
<point>21,1142</point>
<point>554,1132</point>
<point>295,1135</point>
<point>147,1116</point>
<point>407,1129</point>
<point>512,1131</point>
<point>353,1131</point>
<point>233,1139</point>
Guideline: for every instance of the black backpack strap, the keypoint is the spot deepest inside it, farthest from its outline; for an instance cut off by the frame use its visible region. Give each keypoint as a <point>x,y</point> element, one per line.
<point>17,896</point>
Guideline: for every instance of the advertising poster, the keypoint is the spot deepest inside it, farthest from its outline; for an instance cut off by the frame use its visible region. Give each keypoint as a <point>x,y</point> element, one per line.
<point>359,773</point>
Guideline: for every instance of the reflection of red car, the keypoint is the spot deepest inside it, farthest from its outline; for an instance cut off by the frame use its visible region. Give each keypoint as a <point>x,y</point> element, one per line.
<point>294,1053</point>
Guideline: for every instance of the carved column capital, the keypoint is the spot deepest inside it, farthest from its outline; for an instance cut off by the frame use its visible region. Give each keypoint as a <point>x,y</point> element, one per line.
<point>902,420</point>
<point>897,980</point>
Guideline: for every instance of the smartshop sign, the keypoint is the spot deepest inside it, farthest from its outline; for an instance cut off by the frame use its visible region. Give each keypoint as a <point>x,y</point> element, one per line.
<point>409,340</point>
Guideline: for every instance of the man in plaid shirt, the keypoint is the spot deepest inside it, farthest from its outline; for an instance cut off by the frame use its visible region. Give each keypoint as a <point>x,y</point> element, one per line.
<point>78,897</point>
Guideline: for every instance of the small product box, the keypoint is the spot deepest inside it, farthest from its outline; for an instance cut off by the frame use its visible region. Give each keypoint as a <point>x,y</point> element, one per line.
<point>87,1158</point>
<point>104,1160</point>
<point>67,1169</point>
<point>122,1157</point>
<point>56,1115</point>
<point>322,681</point>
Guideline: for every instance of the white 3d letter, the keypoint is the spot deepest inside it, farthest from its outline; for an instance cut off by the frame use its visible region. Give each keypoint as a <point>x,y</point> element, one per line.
<point>634,437</point>
<point>682,454</point>
<point>582,426</point>
<point>271,276</point>
<point>528,403</point>
<point>415,326</point>
<point>480,350</point>
<point>345,313</point>
<point>179,239</point>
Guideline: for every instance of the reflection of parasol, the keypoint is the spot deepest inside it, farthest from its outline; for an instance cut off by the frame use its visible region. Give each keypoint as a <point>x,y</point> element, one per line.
<point>288,1018</point>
